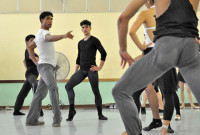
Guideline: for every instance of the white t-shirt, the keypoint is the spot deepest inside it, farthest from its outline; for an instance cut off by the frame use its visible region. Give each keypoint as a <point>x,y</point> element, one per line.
<point>46,49</point>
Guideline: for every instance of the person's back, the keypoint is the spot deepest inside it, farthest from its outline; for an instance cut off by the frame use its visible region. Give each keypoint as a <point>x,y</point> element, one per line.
<point>149,22</point>
<point>178,20</point>
<point>147,19</point>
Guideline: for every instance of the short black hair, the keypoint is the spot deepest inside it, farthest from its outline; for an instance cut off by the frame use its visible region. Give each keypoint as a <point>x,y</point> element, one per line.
<point>44,14</point>
<point>85,22</point>
<point>152,1</point>
<point>29,37</point>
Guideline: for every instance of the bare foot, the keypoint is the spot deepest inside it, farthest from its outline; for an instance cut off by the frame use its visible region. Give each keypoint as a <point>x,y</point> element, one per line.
<point>124,133</point>
<point>163,131</point>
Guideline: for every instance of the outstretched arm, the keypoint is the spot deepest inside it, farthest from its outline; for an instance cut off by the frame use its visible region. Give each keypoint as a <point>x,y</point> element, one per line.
<point>53,38</point>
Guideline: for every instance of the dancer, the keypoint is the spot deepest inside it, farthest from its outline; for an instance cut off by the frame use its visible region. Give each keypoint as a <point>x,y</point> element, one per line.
<point>147,19</point>
<point>86,61</point>
<point>31,76</point>
<point>189,93</point>
<point>173,47</point>
<point>46,67</point>
<point>168,82</point>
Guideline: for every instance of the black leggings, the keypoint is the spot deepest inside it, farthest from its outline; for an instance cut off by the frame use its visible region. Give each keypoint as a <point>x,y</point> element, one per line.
<point>77,78</point>
<point>169,105</point>
<point>177,104</point>
<point>136,97</point>
<point>171,102</point>
<point>30,82</point>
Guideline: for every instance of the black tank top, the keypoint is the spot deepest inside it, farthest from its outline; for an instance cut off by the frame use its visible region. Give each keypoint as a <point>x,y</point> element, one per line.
<point>178,20</point>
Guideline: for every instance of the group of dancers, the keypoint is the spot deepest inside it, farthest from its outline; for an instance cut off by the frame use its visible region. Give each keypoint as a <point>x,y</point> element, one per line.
<point>170,28</point>
<point>45,64</point>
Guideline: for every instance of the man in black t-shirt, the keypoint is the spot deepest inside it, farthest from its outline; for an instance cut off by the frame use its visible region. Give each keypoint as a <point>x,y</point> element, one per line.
<point>31,82</point>
<point>86,60</point>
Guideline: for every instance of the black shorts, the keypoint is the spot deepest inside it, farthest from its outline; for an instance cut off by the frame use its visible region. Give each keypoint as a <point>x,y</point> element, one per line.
<point>147,50</point>
<point>180,77</point>
<point>168,82</point>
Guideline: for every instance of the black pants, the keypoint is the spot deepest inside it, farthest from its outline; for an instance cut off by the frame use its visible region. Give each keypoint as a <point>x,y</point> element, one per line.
<point>177,104</point>
<point>136,97</point>
<point>168,84</point>
<point>77,78</point>
<point>30,82</point>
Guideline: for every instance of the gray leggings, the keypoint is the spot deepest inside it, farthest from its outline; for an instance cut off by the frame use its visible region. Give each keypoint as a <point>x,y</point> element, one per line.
<point>77,78</point>
<point>168,52</point>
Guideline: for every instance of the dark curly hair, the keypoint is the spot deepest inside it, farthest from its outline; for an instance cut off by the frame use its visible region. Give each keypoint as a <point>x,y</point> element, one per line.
<point>44,14</point>
<point>85,22</point>
<point>29,37</point>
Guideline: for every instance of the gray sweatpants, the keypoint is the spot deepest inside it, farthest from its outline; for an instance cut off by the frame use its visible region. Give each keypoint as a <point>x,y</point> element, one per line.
<point>47,81</point>
<point>168,52</point>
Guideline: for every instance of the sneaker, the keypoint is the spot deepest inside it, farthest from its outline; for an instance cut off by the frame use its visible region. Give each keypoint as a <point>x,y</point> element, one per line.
<point>101,117</point>
<point>39,123</point>
<point>18,113</point>
<point>143,110</point>
<point>56,125</point>
<point>178,117</point>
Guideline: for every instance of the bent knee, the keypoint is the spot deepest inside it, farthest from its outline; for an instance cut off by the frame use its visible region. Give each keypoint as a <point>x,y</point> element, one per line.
<point>117,92</point>
<point>68,87</point>
<point>53,88</point>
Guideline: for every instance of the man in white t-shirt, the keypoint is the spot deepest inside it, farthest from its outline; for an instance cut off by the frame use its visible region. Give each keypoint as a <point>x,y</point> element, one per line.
<point>46,67</point>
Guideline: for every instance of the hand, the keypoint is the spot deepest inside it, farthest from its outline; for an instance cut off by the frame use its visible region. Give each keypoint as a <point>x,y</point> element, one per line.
<point>145,46</point>
<point>36,63</point>
<point>95,68</point>
<point>125,57</point>
<point>69,35</point>
<point>197,41</point>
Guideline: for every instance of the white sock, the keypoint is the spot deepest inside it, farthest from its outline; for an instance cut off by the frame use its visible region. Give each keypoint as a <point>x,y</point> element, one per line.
<point>165,126</point>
